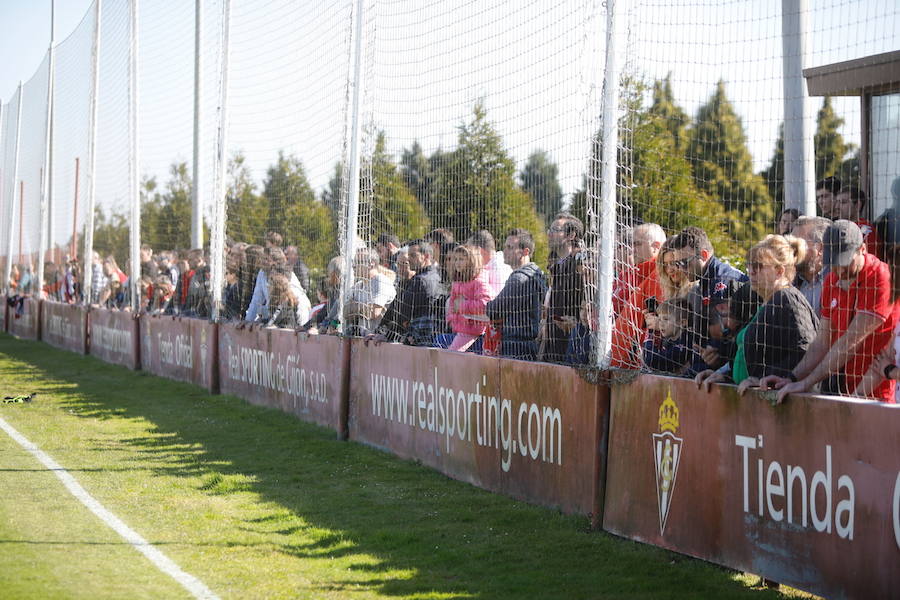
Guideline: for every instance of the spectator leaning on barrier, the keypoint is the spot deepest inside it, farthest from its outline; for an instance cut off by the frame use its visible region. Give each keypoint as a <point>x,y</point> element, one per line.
<point>641,292</point>
<point>276,263</point>
<point>370,295</point>
<point>669,347</point>
<point>717,280</point>
<point>849,204</point>
<point>411,317</point>
<point>496,271</point>
<point>780,331</point>
<point>826,190</point>
<point>284,305</point>
<point>99,282</point>
<point>811,271</point>
<point>469,295</point>
<point>296,264</point>
<point>858,320</point>
<point>518,305</point>
<point>148,266</point>
<point>197,300</point>
<point>566,286</point>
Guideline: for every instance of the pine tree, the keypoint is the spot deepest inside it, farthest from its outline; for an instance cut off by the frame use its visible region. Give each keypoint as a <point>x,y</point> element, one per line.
<point>668,112</point>
<point>393,207</point>
<point>295,212</point>
<point>474,187</point>
<point>774,174</point>
<point>540,180</point>
<point>723,169</point>
<point>246,211</point>
<point>830,147</point>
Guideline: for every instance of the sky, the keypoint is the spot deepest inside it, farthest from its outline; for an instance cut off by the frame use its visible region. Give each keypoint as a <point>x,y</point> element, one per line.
<point>427,64</point>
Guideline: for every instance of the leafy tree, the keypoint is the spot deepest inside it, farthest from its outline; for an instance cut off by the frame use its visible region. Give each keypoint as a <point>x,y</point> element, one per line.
<point>331,196</point>
<point>665,110</point>
<point>774,174</point>
<point>392,208</point>
<point>830,147</point>
<point>723,169</point>
<point>111,235</point>
<point>474,187</point>
<point>246,212</point>
<point>166,216</point>
<point>539,179</point>
<point>295,212</point>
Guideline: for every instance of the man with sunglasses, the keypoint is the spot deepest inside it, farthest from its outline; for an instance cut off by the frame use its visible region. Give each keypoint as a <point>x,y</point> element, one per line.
<point>693,253</point>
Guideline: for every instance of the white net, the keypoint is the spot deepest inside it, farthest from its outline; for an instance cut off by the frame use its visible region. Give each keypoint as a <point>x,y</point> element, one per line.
<point>67,208</point>
<point>8,187</point>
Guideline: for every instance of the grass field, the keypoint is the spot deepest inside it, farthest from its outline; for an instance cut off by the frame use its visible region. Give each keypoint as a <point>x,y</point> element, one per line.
<point>259,505</point>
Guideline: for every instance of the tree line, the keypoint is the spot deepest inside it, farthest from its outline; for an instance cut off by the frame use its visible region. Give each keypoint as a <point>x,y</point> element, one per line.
<point>673,170</point>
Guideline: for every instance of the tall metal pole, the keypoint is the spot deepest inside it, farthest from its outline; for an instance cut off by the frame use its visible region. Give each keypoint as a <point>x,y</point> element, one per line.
<point>608,169</point>
<point>44,237</point>
<point>217,243</point>
<point>134,183</point>
<point>92,160</point>
<point>799,123</point>
<point>73,247</point>
<point>353,174</point>
<point>196,197</point>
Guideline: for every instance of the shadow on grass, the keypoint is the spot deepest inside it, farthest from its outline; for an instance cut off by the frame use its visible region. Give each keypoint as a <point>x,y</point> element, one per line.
<point>382,514</point>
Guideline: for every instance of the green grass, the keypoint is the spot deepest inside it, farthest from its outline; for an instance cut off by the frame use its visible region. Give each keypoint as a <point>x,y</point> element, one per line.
<point>259,505</point>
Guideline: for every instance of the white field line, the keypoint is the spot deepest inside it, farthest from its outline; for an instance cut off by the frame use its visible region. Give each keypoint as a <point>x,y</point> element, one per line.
<point>162,562</point>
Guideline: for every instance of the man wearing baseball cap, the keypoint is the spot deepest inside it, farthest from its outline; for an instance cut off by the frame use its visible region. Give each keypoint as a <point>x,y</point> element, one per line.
<point>858,320</point>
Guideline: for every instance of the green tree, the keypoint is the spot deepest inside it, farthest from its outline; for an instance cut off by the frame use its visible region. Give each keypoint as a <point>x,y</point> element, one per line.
<point>474,187</point>
<point>666,110</point>
<point>540,180</point>
<point>829,144</point>
<point>723,169</point>
<point>295,212</point>
<point>774,174</point>
<point>166,216</point>
<point>246,212</point>
<point>392,207</point>
<point>111,235</point>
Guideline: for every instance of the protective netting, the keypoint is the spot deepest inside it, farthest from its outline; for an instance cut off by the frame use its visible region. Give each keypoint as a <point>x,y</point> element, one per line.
<point>67,206</point>
<point>285,127</point>
<point>580,182</point>
<point>8,178</point>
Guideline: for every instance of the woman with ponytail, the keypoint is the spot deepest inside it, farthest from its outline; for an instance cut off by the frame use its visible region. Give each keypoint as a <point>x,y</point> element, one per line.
<point>780,332</point>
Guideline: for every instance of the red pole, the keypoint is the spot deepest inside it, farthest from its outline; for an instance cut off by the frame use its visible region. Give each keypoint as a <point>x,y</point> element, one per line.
<point>72,252</point>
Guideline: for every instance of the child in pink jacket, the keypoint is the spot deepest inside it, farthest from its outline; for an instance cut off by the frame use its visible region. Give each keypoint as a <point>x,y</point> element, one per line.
<point>469,294</point>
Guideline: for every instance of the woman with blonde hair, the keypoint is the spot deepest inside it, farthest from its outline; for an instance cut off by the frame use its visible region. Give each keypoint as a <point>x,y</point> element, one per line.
<point>784,326</point>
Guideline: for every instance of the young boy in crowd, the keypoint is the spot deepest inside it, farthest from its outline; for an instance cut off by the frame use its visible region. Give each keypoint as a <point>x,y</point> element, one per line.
<point>669,347</point>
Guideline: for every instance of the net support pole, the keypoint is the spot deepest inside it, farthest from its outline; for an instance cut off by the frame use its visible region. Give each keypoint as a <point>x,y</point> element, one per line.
<point>217,241</point>
<point>196,197</point>
<point>44,237</point>
<point>352,195</point>
<point>134,184</point>
<point>799,123</point>
<point>88,266</point>
<point>12,187</point>
<point>608,168</point>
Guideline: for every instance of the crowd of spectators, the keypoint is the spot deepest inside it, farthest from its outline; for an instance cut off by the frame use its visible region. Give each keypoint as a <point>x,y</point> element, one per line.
<point>817,308</point>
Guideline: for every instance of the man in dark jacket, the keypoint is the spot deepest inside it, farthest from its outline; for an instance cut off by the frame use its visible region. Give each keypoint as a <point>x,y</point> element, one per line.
<point>412,318</point>
<point>566,285</point>
<point>518,305</point>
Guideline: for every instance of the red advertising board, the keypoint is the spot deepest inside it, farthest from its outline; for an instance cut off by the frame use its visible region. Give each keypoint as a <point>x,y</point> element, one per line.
<point>64,326</point>
<point>528,430</point>
<point>301,374</point>
<point>181,348</point>
<point>805,493</point>
<point>114,337</point>
<point>24,319</point>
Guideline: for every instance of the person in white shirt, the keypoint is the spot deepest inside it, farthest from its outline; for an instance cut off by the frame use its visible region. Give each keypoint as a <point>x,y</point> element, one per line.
<point>496,271</point>
<point>371,294</point>
<point>259,303</point>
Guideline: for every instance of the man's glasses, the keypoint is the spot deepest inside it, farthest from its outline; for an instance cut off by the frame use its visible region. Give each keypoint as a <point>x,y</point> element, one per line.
<point>681,263</point>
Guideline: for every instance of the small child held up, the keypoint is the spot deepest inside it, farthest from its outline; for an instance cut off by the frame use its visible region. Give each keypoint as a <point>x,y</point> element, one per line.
<point>669,347</point>
<point>469,295</point>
